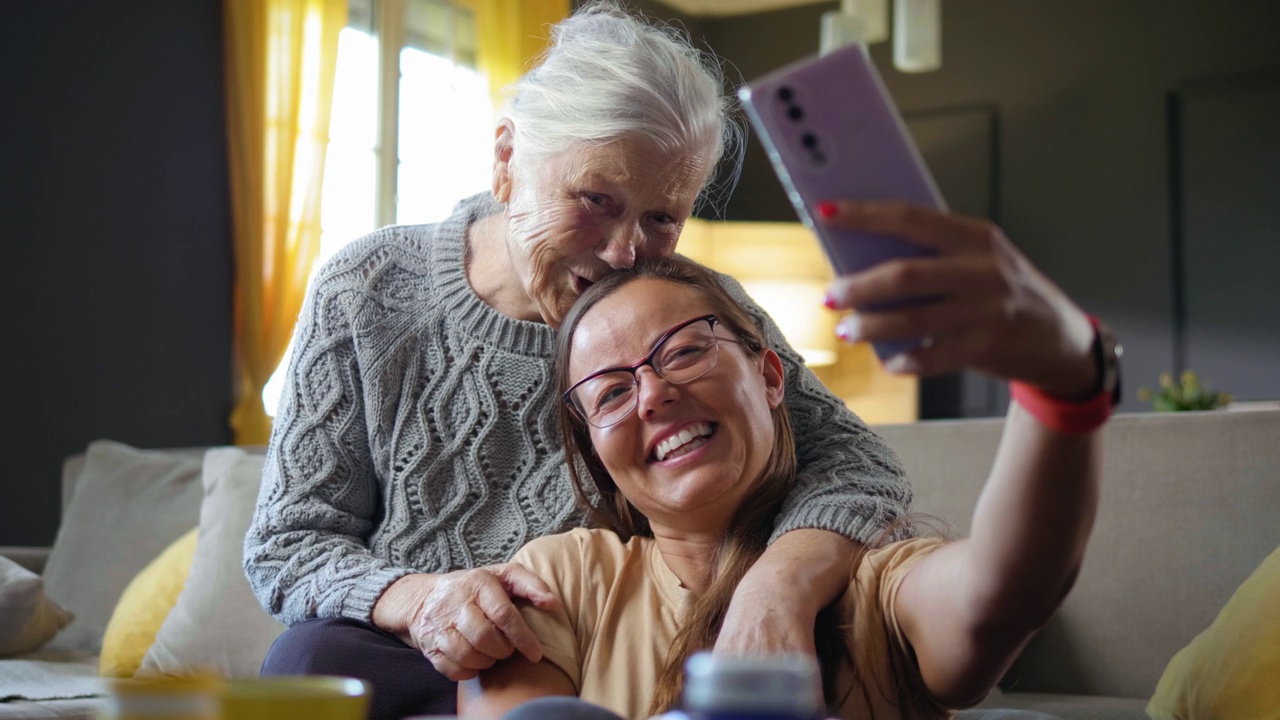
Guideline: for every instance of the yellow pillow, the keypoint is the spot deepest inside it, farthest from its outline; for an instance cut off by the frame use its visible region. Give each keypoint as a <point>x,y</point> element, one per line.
<point>1231,671</point>
<point>145,604</point>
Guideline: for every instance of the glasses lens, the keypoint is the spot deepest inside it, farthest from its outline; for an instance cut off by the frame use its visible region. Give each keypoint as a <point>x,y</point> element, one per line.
<point>606,399</point>
<point>688,354</point>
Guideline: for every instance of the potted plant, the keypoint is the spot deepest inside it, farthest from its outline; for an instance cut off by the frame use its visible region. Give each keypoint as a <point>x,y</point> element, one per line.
<point>1187,394</point>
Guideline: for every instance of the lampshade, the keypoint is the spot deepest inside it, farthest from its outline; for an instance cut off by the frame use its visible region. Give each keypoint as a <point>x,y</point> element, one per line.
<point>917,35</point>
<point>796,306</point>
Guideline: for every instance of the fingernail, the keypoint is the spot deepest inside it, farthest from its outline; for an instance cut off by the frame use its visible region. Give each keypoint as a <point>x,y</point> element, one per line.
<point>900,364</point>
<point>849,329</point>
<point>827,209</point>
<point>829,301</point>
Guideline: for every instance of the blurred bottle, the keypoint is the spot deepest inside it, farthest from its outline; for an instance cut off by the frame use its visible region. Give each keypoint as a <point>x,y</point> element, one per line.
<point>778,687</point>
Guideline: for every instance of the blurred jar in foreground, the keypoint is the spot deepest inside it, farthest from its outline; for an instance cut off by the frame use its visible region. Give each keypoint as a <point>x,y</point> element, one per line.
<point>779,687</point>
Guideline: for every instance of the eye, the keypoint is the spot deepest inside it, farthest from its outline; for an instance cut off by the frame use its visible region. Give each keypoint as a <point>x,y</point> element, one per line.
<point>612,396</point>
<point>683,355</point>
<point>663,219</point>
<point>596,199</point>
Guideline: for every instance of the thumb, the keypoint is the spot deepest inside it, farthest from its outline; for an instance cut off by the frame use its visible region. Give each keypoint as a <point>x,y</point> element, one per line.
<point>519,581</point>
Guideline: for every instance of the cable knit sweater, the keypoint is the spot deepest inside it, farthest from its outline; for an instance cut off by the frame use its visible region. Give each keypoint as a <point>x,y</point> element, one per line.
<point>418,432</point>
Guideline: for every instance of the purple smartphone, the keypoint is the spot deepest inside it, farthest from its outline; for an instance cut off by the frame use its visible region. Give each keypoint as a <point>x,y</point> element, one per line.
<point>833,133</point>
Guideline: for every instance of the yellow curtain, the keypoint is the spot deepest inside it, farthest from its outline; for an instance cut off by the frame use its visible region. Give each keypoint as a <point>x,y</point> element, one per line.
<point>511,33</point>
<point>280,57</point>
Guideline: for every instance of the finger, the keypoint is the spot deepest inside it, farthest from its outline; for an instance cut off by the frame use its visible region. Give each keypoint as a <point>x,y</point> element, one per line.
<point>453,645</point>
<point>518,581</point>
<point>483,635</point>
<point>919,277</point>
<point>492,599</point>
<point>937,229</point>
<point>940,319</point>
<point>946,355</point>
<point>447,667</point>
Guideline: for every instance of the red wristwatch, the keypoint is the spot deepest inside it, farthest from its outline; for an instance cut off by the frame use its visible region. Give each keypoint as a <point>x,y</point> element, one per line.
<point>1075,418</point>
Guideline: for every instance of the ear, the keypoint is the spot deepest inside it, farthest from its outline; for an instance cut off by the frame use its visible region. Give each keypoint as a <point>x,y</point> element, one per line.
<point>775,377</point>
<point>503,147</point>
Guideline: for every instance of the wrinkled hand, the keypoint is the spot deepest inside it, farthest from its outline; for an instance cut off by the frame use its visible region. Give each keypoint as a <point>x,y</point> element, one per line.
<point>996,312</point>
<point>468,622</point>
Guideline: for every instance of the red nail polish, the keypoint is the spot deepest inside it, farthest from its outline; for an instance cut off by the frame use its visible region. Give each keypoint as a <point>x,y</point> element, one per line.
<point>829,301</point>
<point>827,209</point>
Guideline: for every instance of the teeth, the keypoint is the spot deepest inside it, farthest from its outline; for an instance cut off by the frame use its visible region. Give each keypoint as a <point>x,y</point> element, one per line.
<point>695,432</point>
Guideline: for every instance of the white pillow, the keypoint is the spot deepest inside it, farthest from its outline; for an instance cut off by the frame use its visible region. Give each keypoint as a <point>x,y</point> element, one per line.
<point>28,618</point>
<point>217,623</point>
<point>128,505</point>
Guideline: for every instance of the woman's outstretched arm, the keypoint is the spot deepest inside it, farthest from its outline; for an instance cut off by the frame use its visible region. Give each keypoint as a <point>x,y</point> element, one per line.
<point>969,607</point>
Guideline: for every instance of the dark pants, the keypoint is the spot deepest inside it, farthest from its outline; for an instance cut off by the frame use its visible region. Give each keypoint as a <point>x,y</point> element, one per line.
<point>404,682</point>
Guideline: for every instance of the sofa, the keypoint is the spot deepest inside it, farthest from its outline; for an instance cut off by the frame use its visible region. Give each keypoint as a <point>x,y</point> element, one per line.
<point>1188,511</point>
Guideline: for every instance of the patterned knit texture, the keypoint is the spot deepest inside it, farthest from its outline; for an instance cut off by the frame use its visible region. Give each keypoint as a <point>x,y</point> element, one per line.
<point>419,432</point>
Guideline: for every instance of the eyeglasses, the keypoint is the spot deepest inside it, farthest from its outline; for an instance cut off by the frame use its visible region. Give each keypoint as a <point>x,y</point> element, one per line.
<point>683,354</point>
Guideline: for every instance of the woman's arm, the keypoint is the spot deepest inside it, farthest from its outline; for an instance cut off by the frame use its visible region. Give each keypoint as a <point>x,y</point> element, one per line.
<point>968,608</point>
<point>508,684</point>
<point>305,555</point>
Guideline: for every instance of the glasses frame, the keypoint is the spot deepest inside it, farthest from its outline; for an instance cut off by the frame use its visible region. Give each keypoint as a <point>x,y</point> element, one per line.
<point>567,397</point>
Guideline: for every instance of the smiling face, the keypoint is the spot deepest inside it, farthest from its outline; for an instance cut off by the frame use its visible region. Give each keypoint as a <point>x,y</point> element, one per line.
<point>689,453</point>
<point>574,216</point>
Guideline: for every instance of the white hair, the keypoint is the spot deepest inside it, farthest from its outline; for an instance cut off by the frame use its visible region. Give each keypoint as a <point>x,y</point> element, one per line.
<point>609,74</point>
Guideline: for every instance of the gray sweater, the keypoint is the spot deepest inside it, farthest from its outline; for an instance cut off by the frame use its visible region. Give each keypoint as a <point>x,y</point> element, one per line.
<point>418,432</point>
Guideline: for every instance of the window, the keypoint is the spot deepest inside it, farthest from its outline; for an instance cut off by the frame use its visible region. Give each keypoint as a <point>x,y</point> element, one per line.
<point>411,128</point>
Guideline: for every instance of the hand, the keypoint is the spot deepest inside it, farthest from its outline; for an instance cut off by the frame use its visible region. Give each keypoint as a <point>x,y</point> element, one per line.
<point>995,312</point>
<point>465,621</point>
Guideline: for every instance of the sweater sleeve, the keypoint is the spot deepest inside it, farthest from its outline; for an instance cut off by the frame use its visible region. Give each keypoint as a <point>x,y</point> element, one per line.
<point>849,480</point>
<point>305,554</point>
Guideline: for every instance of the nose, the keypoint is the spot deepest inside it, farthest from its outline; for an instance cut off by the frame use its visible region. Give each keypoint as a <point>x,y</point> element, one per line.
<point>654,393</point>
<point>619,249</point>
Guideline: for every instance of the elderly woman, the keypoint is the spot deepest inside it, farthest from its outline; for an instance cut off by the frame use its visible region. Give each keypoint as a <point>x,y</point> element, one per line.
<point>675,409</point>
<point>417,445</point>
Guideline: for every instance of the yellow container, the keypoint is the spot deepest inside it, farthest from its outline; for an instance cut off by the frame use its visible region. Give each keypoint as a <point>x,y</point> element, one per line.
<point>190,698</point>
<point>312,697</point>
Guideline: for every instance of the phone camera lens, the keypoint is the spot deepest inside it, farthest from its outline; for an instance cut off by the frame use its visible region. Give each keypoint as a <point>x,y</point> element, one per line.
<point>785,93</point>
<point>809,140</point>
<point>794,112</point>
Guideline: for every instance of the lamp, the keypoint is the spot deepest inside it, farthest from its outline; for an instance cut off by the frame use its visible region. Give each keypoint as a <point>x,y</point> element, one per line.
<point>917,30</point>
<point>795,305</point>
<point>917,35</point>
<point>857,21</point>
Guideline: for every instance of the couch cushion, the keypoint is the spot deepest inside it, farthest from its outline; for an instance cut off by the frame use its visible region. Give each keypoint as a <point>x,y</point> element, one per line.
<point>1188,510</point>
<point>217,623</point>
<point>28,618</point>
<point>128,505</point>
<point>143,607</point>
<point>1232,669</point>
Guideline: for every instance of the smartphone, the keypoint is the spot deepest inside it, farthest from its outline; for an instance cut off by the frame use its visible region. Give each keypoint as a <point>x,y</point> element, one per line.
<point>833,133</point>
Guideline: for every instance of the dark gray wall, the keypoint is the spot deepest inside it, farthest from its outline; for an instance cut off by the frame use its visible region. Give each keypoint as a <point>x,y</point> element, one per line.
<point>115,216</point>
<point>1080,89</point>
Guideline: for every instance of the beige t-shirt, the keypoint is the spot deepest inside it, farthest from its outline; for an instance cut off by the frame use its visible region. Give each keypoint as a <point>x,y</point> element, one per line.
<point>620,607</point>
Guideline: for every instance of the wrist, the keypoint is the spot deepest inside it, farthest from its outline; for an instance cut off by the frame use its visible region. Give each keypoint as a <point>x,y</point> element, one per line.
<point>394,609</point>
<point>1085,410</point>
